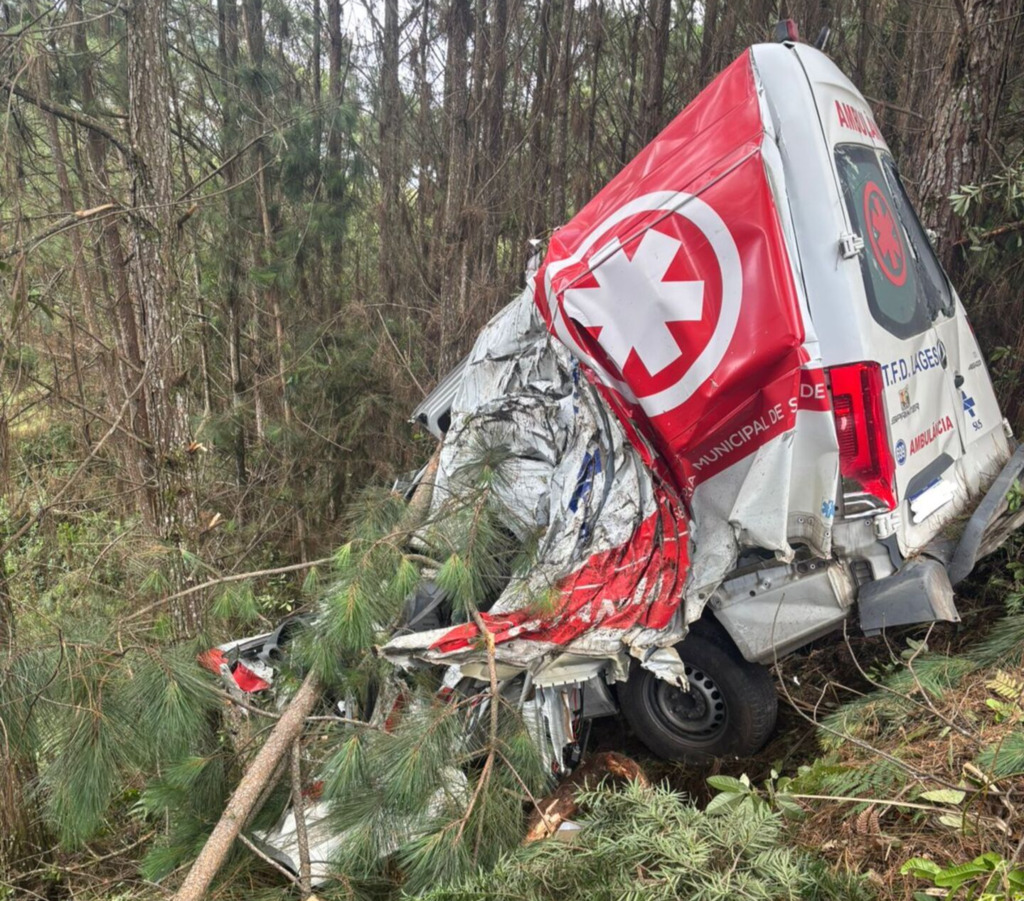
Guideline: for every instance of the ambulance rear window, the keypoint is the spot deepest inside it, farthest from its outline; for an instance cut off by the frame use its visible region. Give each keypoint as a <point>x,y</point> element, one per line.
<point>937,292</point>
<point>906,289</point>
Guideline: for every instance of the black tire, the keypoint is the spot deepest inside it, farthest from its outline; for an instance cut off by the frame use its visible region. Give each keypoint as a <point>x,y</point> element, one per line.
<point>729,710</point>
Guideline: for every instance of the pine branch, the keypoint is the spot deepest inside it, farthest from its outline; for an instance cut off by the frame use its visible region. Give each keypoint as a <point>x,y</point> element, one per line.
<point>492,744</point>
<point>68,114</point>
<point>235,577</point>
<point>75,218</point>
<point>298,805</point>
<point>245,797</point>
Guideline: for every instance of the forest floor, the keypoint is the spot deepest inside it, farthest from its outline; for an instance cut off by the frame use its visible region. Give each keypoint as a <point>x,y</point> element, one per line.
<point>900,746</point>
<point>891,719</point>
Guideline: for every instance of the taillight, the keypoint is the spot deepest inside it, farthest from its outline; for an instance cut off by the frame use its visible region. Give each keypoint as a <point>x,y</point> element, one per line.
<point>865,459</point>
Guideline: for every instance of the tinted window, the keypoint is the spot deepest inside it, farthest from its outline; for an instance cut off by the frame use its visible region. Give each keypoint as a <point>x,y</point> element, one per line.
<point>905,287</point>
<point>937,295</point>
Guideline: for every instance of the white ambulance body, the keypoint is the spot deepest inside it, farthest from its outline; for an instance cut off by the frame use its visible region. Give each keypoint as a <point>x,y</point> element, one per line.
<point>920,431</point>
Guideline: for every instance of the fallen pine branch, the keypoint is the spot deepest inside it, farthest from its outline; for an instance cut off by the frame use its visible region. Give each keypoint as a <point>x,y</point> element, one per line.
<point>244,800</point>
<point>64,223</point>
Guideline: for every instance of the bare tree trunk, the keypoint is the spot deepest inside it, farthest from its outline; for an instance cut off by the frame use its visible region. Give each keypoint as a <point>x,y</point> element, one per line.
<point>966,96</point>
<point>863,17</point>
<point>81,275</point>
<point>390,135</point>
<point>334,85</point>
<point>127,362</point>
<point>540,108</point>
<point>231,259</point>
<point>250,790</point>
<point>590,182</point>
<point>318,115</point>
<point>491,178</point>
<point>560,150</point>
<point>456,106</point>
<point>707,42</point>
<point>625,145</point>
<point>425,184</point>
<point>654,69</point>
<point>151,266</point>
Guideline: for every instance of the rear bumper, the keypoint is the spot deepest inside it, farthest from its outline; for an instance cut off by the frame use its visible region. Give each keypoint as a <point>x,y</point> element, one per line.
<point>993,521</point>
<point>922,589</point>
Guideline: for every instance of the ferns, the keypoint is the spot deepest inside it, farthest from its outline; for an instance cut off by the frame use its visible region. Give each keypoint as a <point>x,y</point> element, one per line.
<point>1006,686</point>
<point>876,779</point>
<point>928,678</point>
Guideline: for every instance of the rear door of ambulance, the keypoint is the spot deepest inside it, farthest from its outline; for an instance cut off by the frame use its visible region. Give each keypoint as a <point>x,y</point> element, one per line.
<point>938,432</point>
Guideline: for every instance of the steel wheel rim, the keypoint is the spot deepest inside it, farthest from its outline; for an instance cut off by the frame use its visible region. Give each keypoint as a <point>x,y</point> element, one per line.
<point>699,713</point>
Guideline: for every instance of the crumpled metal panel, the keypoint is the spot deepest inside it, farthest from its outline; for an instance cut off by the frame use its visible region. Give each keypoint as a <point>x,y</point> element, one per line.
<point>677,290</point>
<point>613,547</point>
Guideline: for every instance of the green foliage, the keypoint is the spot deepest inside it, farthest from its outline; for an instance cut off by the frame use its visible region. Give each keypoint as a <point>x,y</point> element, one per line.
<point>1003,646</point>
<point>733,792</point>
<point>1004,758</point>
<point>651,843</point>
<point>236,602</point>
<point>428,796</point>
<point>97,715</point>
<point>1009,705</point>
<point>989,877</point>
<point>1007,580</point>
<point>878,777</point>
<point>907,687</point>
<point>991,203</point>
<point>879,712</point>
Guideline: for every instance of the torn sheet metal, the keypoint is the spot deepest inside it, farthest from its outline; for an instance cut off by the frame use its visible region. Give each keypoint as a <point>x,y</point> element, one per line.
<point>667,665</point>
<point>551,716</point>
<point>613,546</point>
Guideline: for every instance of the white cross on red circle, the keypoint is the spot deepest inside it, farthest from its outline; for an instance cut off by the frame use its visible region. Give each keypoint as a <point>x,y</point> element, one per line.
<point>661,291</point>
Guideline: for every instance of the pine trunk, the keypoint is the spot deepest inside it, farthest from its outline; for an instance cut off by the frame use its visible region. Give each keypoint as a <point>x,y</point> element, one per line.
<point>965,99</point>
<point>249,792</point>
<point>452,257</point>
<point>389,134</point>
<point>153,280</point>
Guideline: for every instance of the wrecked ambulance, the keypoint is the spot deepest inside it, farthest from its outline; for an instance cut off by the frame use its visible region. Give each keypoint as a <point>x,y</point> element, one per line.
<point>741,404</point>
<point>744,404</point>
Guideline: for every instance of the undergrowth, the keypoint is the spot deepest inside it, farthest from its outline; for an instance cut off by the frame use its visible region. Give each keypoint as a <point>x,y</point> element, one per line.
<point>652,843</point>
<point>929,767</point>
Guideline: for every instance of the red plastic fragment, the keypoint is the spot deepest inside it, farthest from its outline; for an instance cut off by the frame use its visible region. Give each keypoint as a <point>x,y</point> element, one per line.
<point>247,680</point>
<point>244,677</point>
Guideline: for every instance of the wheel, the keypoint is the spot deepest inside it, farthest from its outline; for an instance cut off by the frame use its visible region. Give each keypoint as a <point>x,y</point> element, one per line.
<point>729,708</point>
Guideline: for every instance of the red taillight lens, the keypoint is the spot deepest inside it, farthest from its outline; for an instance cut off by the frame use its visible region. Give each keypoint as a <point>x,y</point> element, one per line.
<point>864,454</point>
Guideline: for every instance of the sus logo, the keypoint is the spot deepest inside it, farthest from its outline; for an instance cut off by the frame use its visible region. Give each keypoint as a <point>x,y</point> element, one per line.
<point>651,297</point>
<point>884,235</point>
